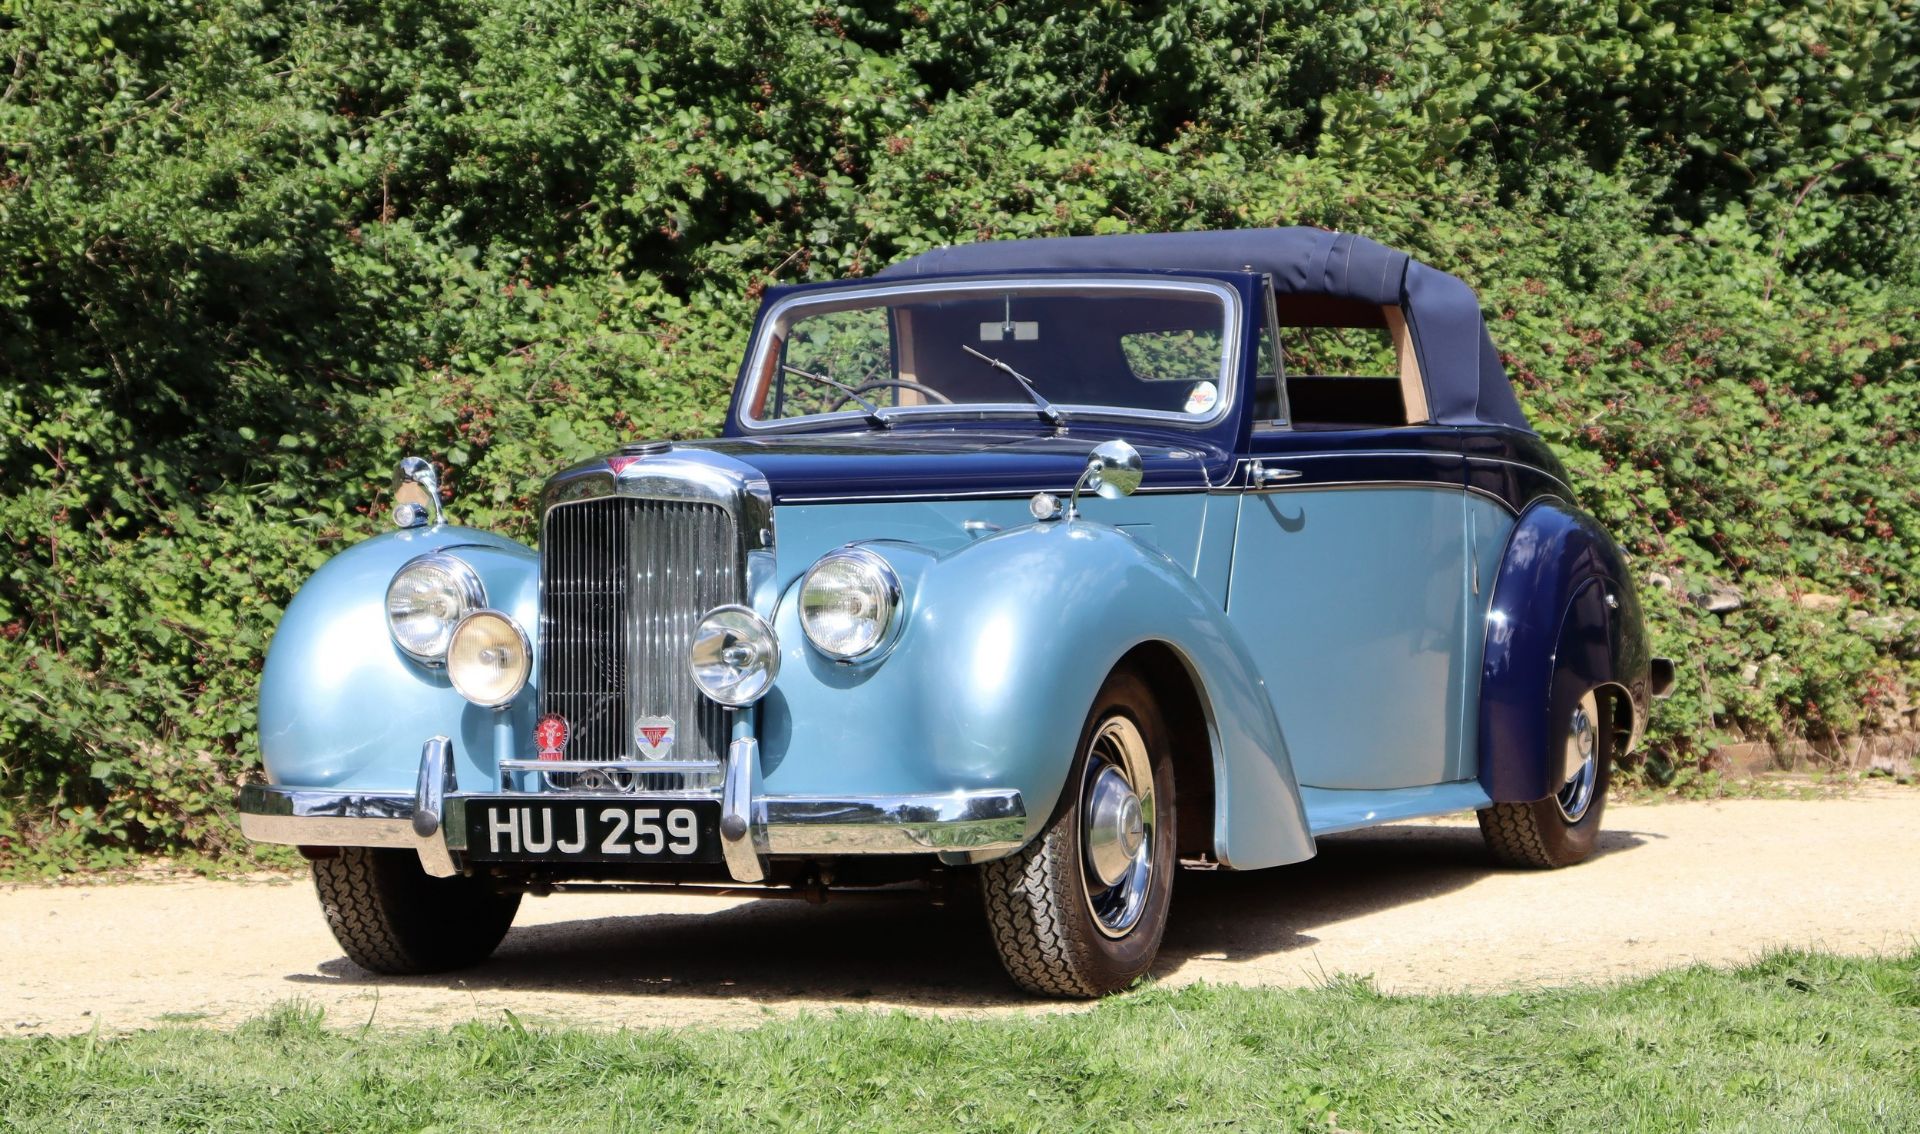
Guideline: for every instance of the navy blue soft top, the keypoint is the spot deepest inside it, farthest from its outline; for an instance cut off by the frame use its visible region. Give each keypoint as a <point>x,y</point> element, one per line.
<point>1466,385</point>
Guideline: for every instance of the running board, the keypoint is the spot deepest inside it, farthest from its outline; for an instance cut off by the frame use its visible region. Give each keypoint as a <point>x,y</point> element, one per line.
<point>1337,809</point>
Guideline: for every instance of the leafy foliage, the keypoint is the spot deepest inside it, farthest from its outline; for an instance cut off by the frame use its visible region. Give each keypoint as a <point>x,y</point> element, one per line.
<point>251,251</point>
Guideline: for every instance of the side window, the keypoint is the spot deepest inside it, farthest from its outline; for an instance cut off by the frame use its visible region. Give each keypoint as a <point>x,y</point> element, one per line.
<point>1269,408</point>
<point>1349,365</point>
<point>1352,352</point>
<point>852,348</point>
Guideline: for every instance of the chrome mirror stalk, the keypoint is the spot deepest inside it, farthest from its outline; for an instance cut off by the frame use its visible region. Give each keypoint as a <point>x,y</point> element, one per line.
<point>416,494</point>
<point>1114,470</point>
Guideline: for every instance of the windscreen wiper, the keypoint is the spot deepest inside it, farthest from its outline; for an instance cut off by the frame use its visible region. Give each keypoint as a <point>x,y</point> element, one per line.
<point>1048,414</point>
<point>874,413</point>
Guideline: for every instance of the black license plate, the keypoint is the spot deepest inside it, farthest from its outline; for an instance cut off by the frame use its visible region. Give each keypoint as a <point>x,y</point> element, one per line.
<point>594,830</point>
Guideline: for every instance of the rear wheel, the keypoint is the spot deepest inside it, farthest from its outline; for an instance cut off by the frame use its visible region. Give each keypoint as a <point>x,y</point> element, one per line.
<point>391,917</point>
<point>1080,910</point>
<point>1563,828</point>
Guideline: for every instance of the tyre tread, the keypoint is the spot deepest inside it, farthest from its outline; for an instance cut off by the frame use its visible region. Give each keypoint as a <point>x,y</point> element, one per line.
<point>1023,901</point>
<point>1512,832</point>
<point>389,917</point>
<point>1035,902</point>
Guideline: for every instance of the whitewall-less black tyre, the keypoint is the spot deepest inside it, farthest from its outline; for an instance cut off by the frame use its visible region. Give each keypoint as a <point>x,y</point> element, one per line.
<point>391,917</point>
<point>1563,828</point>
<point>1080,910</point>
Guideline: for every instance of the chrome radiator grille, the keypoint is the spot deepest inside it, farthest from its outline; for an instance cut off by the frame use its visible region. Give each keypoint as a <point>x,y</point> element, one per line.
<point>623,581</point>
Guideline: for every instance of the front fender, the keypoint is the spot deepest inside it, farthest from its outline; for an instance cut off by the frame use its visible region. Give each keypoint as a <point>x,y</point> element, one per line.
<point>1564,619</point>
<point>341,706</point>
<point>1005,644</point>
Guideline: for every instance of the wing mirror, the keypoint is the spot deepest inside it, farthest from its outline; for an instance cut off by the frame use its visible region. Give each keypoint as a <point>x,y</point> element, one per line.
<point>416,494</point>
<point>1113,471</point>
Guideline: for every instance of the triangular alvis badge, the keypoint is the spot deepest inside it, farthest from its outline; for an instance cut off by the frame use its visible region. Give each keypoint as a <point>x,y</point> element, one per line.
<point>653,737</point>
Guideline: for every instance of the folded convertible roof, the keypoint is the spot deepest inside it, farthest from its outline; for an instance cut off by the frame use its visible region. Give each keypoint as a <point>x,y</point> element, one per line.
<point>1466,384</point>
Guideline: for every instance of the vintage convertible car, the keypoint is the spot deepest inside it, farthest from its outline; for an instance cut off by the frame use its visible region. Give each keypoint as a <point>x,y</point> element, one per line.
<point>1041,567</point>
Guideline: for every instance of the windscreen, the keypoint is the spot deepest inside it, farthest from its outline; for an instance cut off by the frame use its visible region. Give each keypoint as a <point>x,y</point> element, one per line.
<point>1162,349</point>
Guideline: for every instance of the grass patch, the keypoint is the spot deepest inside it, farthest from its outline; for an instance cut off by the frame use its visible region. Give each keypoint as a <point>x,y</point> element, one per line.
<point>1794,1042</point>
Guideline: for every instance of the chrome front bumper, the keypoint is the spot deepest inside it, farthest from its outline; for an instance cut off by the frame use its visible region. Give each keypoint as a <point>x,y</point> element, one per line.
<point>753,826</point>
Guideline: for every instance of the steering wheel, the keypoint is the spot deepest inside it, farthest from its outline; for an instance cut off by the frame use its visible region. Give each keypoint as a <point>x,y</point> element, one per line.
<point>897,383</point>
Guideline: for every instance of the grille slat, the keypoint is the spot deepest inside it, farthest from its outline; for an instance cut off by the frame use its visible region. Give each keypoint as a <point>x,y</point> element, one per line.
<point>623,583</point>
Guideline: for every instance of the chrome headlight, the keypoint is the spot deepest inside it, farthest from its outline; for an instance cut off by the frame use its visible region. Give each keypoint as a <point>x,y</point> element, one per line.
<point>426,599</point>
<point>489,658</point>
<point>848,601</point>
<point>735,656</point>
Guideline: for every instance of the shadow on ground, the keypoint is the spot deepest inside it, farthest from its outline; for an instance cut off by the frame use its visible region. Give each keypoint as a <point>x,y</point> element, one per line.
<point>902,950</point>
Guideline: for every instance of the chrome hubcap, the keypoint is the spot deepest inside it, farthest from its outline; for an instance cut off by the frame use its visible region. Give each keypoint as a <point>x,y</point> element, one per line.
<point>1117,826</point>
<point>1115,829</point>
<point>1576,795</point>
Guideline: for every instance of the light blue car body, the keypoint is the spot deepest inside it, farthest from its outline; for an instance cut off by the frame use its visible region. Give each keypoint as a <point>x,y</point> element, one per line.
<point>1008,635</point>
<point>1346,624</point>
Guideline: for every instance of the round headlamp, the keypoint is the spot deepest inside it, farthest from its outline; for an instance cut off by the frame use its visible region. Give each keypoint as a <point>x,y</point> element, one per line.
<point>489,658</point>
<point>735,656</point>
<point>847,603</point>
<point>426,599</point>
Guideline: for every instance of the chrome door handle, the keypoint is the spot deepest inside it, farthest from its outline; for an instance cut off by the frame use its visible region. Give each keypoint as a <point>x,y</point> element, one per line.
<point>1261,475</point>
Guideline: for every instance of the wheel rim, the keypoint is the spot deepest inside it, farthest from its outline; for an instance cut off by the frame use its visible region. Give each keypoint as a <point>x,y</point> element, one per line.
<point>1117,827</point>
<point>1583,755</point>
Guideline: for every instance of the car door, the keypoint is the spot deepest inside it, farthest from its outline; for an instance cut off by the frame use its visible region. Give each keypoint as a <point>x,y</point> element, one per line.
<point>1351,580</point>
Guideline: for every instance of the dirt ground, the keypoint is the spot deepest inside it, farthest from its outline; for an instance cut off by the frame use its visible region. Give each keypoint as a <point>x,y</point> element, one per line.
<point>1415,905</point>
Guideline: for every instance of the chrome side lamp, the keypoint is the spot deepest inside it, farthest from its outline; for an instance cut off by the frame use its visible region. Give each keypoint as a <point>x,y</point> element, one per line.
<point>416,494</point>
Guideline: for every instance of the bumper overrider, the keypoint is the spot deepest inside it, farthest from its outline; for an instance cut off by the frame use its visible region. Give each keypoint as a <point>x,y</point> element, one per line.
<point>753,826</point>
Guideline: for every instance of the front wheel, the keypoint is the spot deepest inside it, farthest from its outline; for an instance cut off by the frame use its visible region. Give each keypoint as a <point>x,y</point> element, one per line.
<point>1563,828</point>
<point>1080,910</point>
<point>391,917</point>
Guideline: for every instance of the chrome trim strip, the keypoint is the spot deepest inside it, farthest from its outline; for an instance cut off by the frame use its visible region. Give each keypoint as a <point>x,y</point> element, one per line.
<point>1350,485</point>
<point>266,805</point>
<point>563,767</point>
<point>1235,480</point>
<point>992,820</point>
<point>982,494</point>
<point>1470,457</point>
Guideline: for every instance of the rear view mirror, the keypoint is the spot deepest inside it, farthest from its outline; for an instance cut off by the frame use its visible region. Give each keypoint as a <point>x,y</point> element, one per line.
<point>1000,332</point>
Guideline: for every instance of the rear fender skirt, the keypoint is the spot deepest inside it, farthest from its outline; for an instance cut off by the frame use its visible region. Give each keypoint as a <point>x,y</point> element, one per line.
<point>1564,619</point>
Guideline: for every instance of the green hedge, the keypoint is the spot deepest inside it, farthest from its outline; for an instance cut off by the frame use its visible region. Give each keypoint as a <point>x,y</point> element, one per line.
<point>252,252</point>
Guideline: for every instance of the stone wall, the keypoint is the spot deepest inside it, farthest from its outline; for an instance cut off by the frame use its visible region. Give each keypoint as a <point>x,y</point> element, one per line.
<point>1896,754</point>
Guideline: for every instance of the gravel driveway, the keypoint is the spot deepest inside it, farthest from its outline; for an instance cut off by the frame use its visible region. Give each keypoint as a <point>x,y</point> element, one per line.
<point>1417,906</point>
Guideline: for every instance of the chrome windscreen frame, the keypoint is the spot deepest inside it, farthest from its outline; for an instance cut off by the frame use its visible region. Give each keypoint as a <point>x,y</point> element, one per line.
<point>1232,330</point>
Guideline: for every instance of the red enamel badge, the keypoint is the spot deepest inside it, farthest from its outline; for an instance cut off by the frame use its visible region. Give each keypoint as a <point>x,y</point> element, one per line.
<point>619,464</point>
<point>550,736</point>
